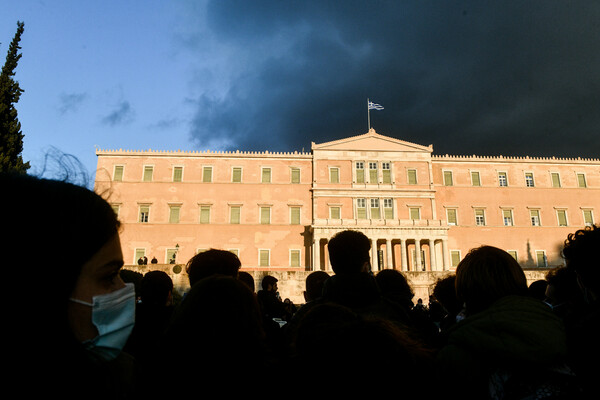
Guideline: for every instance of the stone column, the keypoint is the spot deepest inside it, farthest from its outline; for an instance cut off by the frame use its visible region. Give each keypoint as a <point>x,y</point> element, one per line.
<point>404,255</point>
<point>389,263</point>
<point>432,261</point>
<point>374,265</point>
<point>418,266</point>
<point>316,254</point>
<point>446,266</point>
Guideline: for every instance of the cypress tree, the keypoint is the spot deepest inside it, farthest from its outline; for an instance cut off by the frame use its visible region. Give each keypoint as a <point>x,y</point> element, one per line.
<point>11,137</point>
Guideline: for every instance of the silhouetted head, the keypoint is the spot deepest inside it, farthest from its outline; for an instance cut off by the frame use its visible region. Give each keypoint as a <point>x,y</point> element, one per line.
<point>580,252</point>
<point>444,292</point>
<point>156,288</point>
<point>248,279</point>
<point>314,285</point>
<point>212,262</point>
<point>269,283</point>
<point>349,252</point>
<point>487,274</point>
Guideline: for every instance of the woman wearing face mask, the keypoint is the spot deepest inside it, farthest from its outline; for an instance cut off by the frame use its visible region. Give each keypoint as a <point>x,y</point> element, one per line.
<point>69,312</point>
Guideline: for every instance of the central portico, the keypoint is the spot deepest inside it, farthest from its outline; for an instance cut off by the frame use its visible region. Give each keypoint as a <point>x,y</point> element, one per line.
<point>384,188</point>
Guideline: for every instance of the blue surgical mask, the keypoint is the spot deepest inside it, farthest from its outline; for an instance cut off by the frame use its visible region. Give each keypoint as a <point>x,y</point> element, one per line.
<point>113,314</point>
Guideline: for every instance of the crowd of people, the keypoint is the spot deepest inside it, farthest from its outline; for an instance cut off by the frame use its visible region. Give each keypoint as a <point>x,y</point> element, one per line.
<point>76,329</point>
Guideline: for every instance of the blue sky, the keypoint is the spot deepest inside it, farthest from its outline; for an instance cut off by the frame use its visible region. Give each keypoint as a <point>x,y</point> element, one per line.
<point>469,77</point>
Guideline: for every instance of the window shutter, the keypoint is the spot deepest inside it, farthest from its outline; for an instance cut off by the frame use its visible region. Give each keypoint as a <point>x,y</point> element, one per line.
<point>334,212</point>
<point>295,215</point>
<point>455,255</point>
<point>475,179</point>
<point>174,214</point>
<point>562,218</point>
<point>177,174</point>
<point>295,175</point>
<point>236,175</point>
<point>207,174</point>
<point>448,178</point>
<point>148,174</point>
<point>234,217</point>
<point>587,217</point>
<point>412,176</point>
<point>266,175</point>
<point>204,214</point>
<point>265,215</point>
<point>555,179</point>
<point>264,258</point>
<point>334,175</point>
<point>451,216</point>
<point>414,213</point>
<point>118,177</point>
<point>294,258</point>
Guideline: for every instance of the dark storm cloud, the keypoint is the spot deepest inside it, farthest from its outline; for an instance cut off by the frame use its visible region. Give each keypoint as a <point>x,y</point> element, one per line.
<point>473,77</point>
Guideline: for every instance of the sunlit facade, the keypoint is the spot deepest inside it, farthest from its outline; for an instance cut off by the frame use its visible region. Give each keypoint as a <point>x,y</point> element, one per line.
<point>276,211</point>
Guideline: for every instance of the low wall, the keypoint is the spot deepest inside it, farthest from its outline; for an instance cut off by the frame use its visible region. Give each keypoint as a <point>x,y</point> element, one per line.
<point>291,284</point>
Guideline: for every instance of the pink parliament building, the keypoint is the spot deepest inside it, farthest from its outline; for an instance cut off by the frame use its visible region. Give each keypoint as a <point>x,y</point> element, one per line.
<point>277,210</point>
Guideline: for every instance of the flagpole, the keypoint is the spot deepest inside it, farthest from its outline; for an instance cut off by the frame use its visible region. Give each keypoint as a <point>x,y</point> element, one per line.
<point>368,116</point>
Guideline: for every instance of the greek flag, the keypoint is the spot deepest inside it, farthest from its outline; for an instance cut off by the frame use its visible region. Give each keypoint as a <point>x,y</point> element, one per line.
<point>373,106</point>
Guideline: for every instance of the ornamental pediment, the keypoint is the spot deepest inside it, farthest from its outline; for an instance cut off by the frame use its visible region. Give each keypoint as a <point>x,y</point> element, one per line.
<point>372,141</point>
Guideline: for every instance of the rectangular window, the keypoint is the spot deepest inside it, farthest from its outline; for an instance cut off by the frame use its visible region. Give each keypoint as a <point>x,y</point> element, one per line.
<point>386,172</point>
<point>236,174</point>
<point>294,258</point>
<point>412,176</point>
<point>266,175</point>
<point>415,213</point>
<point>139,253</point>
<point>295,175</point>
<point>116,208</point>
<point>373,172</point>
<point>502,179</point>
<point>479,217</point>
<point>264,258</point>
<point>388,208</point>
<point>174,214</point>
<point>541,258</point>
<point>529,179</point>
<point>265,215</point>
<point>361,208</point>
<point>144,213</point>
<point>295,215</point>
<point>375,213</point>
<point>588,217</point>
<point>454,258</point>
<point>205,214</point>
<point>581,181</point>
<point>207,174</point>
<point>148,172</point>
<point>235,213</point>
<point>513,253</point>
<point>335,212</point>
<point>451,216</point>
<point>475,181</point>
<point>177,174</point>
<point>360,172</point>
<point>448,178</point>
<point>555,179</point>
<point>507,217</point>
<point>535,217</point>
<point>334,175</point>
<point>561,215</point>
<point>118,173</point>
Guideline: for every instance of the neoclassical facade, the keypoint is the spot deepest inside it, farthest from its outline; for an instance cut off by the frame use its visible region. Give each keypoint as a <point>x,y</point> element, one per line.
<point>276,211</point>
